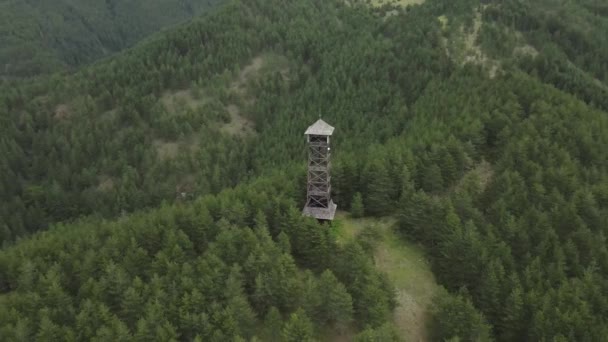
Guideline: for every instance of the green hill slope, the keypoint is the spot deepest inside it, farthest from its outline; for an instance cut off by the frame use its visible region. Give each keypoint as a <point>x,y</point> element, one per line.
<point>406,267</point>
<point>217,269</point>
<point>38,37</point>
<point>491,156</point>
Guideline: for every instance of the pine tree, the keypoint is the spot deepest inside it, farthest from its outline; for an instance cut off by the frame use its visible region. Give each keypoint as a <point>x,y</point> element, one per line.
<point>383,333</point>
<point>311,296</point>
<point>448,167</point>
<point>238,305</point>
<point>372,305</point>
<point>283,242</point>
<point>47,330</point>
<point>378,190</point>
<point>272,324</point>
<point>455,316</point>
<point>336,302</point>
<point>298,328</point>
<point>432,180</point>
<point>166,332</point>
<point>131,306</point>
<point>513,316</point>
<point>27,276</point>
<point>356,207</point>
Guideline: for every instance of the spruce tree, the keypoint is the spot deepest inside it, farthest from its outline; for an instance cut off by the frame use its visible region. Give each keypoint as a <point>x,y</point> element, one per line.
<point>336,303</point>
<point>456,317</point>
<point>356,206</point>
<point>298,328</point>
<point>378,189</point>
<point>432,180</point>
<point>272,324</point>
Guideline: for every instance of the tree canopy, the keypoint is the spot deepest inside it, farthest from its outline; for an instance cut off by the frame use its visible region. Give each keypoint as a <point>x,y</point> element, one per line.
<point>157,193</point>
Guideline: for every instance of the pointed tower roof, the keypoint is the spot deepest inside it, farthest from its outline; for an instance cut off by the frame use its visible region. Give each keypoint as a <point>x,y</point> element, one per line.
<point>320,128</point>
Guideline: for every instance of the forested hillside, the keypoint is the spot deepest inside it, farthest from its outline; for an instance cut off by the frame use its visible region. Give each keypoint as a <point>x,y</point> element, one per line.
<point>193,272</point>
<point>38,37</point>
<point>481,127</point>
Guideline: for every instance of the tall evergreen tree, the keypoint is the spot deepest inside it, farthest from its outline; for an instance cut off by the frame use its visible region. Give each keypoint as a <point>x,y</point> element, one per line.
<point>356,207</point>
<point>336,302</point>
<point>298,328</point>
<point>377,201</point>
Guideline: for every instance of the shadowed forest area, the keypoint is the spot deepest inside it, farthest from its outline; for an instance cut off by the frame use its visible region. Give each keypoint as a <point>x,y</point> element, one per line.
<point>41,37</point>
<point>157,194</point>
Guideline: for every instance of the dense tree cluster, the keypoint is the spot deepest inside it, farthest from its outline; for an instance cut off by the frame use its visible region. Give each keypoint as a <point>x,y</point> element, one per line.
<point>210,271</point>
<point>526,237</point>
<point>38,37</point>
<point>503,179</point>
<point>572,38</point>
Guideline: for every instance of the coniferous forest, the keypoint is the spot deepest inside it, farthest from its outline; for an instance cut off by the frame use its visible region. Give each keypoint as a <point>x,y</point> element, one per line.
<point>41,37</point>
<point>156,195</point>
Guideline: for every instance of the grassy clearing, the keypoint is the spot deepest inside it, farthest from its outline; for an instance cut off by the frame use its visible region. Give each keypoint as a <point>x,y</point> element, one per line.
<point>181,100</point>
<point>258,67</point>
<point>238,124</point>
<point>239,91</point>
<point>407,268</point>
<point>462,46</point>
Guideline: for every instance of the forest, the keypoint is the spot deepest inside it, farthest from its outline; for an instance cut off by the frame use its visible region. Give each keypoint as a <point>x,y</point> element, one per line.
<point>157,194</point>
<point>43,37</point>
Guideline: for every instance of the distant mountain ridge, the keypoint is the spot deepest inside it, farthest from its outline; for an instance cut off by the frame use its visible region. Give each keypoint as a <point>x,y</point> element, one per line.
<point>39,37</point>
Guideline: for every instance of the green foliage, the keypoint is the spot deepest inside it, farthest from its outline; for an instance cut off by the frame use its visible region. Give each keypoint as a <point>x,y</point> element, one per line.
<point>503,180</point>
<point>298,328</point>
<point>273,324</point>
<point>384,333</point>
<point>238,284</point>
<point>378,189</point>
<point>337,305</point>
<point>356,206</point>
<point>456,317</point>
<point>41,37</point>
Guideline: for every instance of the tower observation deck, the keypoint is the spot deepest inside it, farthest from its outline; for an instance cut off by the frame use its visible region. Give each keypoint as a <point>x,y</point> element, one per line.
<point>318,196</point>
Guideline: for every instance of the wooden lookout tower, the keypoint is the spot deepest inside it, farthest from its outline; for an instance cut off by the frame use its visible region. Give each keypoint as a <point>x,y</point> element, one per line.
<point>318,197</point>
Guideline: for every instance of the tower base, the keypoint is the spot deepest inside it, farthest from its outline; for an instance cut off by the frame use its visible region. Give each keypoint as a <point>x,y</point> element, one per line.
<point>327,214</point>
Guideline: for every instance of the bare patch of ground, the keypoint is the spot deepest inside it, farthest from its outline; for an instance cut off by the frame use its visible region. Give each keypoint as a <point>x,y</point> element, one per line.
<point>260,65</point>
<point>166,150</point>
<point>238,124</point>
<point>240,98</point>
<point>473,52</point>
<point>62,112</point>
<point>105,184</point>
<point>181,100</point>
<point>247,73</point>
<point>464,49</point>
